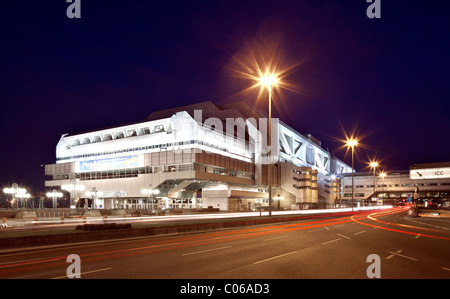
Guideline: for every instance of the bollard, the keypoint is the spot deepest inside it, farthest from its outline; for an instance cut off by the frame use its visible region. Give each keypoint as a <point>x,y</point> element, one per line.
<point>4,222</point>
<point>62,219</point>
<point>84,219</point>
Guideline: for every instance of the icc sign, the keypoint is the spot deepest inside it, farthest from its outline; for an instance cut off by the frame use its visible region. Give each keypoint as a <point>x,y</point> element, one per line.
<point>429,173</point>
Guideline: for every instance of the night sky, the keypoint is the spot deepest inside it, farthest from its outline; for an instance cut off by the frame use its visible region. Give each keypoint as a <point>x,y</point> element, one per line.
<point>386,79</point>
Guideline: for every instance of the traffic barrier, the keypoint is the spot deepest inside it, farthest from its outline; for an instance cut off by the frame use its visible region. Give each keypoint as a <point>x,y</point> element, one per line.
<point>4,222</point>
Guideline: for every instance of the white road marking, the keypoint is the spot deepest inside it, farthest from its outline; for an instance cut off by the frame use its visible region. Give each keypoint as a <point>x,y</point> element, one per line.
<point>316,230</point>
<point>363,231</point>
<point>275,238</point>
<point>398,253</point>
<point>331,241</point>
<point>84,273</point>
<point>203,251</point>
<point>274,257</point>
<point>344,237</point>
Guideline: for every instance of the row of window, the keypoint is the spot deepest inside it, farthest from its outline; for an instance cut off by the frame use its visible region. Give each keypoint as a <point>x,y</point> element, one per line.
<point>304,187</point>
<point>121,134</point>
<point>134,172</point>
<point>401,194</point>
<point>162,146</point>
<point>397,185</point>
<point>125,173</point>
<point>305,180</point>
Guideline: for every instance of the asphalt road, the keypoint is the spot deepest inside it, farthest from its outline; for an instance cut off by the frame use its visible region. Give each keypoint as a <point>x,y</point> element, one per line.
<point>336,246</point>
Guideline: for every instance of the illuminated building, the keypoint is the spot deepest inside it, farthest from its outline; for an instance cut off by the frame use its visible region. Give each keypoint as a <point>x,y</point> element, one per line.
<point>429,183</point>
<point>197,156</point>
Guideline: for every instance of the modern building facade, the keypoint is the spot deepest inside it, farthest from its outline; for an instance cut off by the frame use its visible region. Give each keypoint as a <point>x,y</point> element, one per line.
<point>427,183</point>
<point>196,156</point>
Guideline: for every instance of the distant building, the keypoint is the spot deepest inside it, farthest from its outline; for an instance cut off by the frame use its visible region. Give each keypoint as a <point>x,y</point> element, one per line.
<point>197,156</point>
<point>429,183</point>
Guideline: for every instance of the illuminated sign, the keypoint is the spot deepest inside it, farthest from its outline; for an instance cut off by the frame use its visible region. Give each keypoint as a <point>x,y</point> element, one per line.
<point>109,164</point>
<point>429,173</point>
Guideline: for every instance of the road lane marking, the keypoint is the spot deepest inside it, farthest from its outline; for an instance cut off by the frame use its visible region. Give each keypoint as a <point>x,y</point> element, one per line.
<point>344,237</point>
<point>398,253</point>
<point>392,255</point>
<point>445,268</point>
<point>274,257</point>
<point>275,238</point>
<point>416,237</point>
<point>316,230</point>
<point>84,273</point>
<point>363,231</point>
<point>331,241</point>
<point>207,250</point>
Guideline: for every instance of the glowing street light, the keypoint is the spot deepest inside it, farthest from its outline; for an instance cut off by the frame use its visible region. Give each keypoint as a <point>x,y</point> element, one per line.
<point>382,175</point>
<point>73,187</point>
<point>374,165</point>
<point>23,196</point>
<point>269,80</point>
<point>94,194</point>
<point>150,192</point>
<point>54,195</point>
<point>352,142</point>
<point>15,191</point>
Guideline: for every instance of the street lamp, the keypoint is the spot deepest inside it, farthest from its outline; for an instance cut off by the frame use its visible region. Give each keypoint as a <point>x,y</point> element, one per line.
<point>73,188</point>
<point>94,194</point>
<point>23,196</point>
<point>352,142</point>
<point>382,175</point>
<point>374,165</point>
<point>54,195</point>
<point>269,80</point>
<point>15,191</point>
<point>150,192</point>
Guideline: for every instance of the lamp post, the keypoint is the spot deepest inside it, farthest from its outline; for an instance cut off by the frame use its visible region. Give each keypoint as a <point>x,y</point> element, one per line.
<point>94,194</point>
<point>15,191</point>
<point>352,143</point>
<point>382,176</point>
<point>24,196</point>
<point>54,195</point>
<point>374,165</point>
<point>73,188</point>
<point>269,80</point>
<point>150,192</point>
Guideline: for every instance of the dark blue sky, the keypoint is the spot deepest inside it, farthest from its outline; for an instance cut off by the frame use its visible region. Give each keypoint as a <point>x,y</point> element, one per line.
<point>387,78</point>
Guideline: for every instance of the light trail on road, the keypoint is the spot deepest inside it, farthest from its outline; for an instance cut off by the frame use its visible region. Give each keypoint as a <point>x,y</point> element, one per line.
<point>101,255</point>
<point>190,240</point>
<point>69,222</point>
<point>372,216</point>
